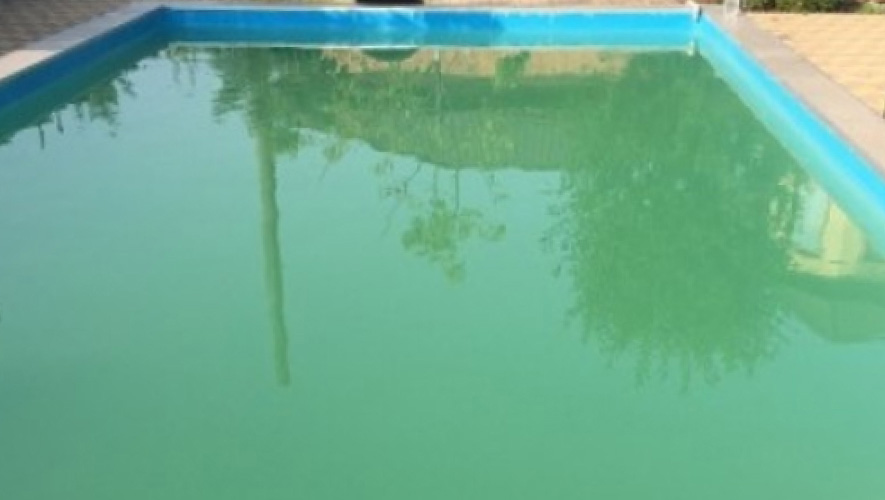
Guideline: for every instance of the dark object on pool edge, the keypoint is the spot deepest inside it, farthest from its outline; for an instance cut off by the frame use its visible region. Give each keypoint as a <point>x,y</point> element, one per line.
<point>390,55</point>
<point>389,3</point>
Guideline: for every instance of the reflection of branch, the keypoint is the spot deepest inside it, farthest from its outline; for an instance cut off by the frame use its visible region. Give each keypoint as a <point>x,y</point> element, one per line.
<point>441,226</point>
<point>399,197</point>
<point>272,259</point>
<point>457,191</point>
<point>409,179</point>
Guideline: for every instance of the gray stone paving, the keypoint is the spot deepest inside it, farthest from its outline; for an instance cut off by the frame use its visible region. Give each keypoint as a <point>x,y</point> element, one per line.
<point>23,21</point>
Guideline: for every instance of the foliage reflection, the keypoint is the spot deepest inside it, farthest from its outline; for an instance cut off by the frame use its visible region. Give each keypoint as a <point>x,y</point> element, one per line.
<point>679,236</point>
<point>692,241</point>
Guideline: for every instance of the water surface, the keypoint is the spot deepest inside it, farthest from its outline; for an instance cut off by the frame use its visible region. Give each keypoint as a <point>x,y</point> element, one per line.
<point>339,274</point>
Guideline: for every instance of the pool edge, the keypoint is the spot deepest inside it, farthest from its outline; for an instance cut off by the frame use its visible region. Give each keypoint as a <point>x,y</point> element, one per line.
<point>855,123</point>
<point>829,132</point>
<point>831,105</point>
<point>32,55</point>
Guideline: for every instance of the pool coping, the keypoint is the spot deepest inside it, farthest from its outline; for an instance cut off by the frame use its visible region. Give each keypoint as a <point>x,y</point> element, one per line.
<point>859,127</point>
<point>856,124</point>
<point>42,50</point>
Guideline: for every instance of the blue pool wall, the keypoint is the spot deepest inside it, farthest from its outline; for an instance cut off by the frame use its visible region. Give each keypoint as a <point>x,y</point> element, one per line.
<point>464,27</point>
<point>24,84</point>
<point>851,179</point>
<point>847,175</point>
<point>59,91</point>
<point>634,29</point>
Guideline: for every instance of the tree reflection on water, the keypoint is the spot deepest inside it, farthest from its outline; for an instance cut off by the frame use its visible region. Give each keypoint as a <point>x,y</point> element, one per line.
<point>674,222</point>
<point>678,222</point>
<point>100,103</point>
<point>674,233</point>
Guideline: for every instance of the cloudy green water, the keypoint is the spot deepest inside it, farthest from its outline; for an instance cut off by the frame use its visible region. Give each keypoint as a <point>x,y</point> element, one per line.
<point>280,274</point>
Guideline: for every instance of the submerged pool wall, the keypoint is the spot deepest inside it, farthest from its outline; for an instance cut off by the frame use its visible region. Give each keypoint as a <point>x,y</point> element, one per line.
<point>65,63</point>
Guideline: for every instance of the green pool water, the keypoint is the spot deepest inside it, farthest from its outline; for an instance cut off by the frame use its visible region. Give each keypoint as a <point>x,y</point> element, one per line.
<point>244,273</point>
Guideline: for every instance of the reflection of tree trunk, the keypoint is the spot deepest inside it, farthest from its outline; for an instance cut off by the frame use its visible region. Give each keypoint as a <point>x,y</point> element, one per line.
<point>437,58</point>
<point>457,191</point>
<point>267,179</point>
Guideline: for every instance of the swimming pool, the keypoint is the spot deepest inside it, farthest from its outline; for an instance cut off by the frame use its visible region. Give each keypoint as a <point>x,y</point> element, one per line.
<point>409,254</point>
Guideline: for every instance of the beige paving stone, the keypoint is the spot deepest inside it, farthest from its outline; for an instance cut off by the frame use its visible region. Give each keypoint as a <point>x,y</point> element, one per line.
<point>848,48</point>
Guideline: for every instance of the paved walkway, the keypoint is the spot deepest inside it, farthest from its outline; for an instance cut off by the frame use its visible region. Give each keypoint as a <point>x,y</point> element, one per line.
<point>847,47</point>
<point>23,21</point>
